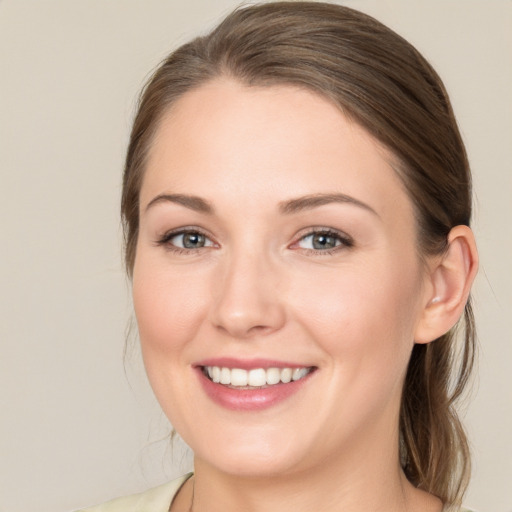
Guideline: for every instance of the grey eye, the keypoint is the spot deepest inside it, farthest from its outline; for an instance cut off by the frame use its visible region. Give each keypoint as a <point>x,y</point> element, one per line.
<point>190,240</point>
<point>319,241</point>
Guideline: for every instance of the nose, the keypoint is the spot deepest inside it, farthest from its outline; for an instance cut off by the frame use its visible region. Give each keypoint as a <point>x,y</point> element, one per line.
<point>247,301</point>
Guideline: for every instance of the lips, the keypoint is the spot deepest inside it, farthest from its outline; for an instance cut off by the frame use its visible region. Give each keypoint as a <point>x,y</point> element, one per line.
<point>251,385</point>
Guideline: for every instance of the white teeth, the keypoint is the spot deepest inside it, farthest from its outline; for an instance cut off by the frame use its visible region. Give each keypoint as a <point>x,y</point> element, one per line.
<point>298,373</point>
<point>257,377</point>
<point>239,377</point>
<point>273,376</point>
<point>225,376</point>
<point>286,375</point>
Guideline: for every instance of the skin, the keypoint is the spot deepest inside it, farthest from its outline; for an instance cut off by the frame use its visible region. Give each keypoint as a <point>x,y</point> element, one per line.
<point>260,289</point>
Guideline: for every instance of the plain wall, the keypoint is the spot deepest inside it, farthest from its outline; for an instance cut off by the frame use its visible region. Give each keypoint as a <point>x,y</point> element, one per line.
<point>77,425</point>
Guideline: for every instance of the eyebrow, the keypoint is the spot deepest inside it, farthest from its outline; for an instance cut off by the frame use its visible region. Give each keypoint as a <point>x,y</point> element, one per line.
<point>193,202</point>
<point>291,206</point>
<point>316,200</point>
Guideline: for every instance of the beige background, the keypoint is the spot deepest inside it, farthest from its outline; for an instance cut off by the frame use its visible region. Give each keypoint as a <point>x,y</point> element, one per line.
<point>76,426</point>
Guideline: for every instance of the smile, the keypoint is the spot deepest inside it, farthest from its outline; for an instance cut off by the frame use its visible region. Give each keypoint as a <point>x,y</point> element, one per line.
<point>254,378</point>
<point>252,384</point>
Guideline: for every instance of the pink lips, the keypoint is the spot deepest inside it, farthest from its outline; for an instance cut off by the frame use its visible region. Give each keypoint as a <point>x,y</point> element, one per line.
<point>248,399</point>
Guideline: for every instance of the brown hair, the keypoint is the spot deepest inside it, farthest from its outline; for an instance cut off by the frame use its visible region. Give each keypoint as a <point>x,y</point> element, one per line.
<point>381,82</point>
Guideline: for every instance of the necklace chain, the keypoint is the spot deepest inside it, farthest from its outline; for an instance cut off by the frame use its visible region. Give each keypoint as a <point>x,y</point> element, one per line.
<point>190,509</point>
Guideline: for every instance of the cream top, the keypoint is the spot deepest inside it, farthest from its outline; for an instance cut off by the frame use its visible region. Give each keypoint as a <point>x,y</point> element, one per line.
<point>157,499</point>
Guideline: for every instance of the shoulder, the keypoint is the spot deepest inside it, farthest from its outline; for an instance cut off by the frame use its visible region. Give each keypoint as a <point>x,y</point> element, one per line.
<point>157,499</point>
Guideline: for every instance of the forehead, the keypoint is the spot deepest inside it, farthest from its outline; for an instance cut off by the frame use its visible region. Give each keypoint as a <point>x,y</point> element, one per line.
<point>229,141</point>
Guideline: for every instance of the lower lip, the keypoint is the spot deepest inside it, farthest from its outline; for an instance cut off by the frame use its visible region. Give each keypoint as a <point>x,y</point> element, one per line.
<point>250,399</point>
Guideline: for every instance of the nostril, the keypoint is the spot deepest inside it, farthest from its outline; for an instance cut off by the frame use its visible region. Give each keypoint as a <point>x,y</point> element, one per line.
<point>245,303</point>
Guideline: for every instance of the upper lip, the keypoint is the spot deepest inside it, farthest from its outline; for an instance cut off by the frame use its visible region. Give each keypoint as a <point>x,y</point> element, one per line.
<point>249,364</point>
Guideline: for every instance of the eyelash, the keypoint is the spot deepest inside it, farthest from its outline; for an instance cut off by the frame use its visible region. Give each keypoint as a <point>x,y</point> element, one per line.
<point>165,240</point>
<point>346,242</point>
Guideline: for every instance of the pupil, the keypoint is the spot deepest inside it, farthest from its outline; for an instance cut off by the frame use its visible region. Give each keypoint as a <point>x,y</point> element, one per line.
<point>324,242</point>
<point>193,240</point>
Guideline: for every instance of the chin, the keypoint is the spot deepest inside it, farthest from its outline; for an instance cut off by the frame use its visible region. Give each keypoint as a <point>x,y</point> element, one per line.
<point>252,456</point>
<point>246,465</point>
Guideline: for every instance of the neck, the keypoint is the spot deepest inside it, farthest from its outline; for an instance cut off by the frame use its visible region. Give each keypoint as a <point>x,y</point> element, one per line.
<point>356,481</point>
<point>296,493</point>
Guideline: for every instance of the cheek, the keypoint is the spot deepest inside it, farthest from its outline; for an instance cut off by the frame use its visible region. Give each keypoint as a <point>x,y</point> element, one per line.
<point>364,324</point>
<point>360,313</point>
<point>167,306</point>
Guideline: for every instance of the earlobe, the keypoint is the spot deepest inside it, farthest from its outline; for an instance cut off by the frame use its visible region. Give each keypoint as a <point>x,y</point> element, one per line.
<point>451,277</point>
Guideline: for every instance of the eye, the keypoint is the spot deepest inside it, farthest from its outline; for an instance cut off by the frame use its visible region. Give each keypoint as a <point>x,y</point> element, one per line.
<point>186,240</point>
<point>324,240</point>
<point>190,240</point>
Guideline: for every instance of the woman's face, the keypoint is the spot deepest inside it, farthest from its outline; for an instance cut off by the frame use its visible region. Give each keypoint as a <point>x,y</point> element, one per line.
<point>276,242</point>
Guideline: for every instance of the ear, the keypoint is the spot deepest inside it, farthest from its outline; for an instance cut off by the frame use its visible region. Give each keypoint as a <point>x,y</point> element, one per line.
<point>449,282</point>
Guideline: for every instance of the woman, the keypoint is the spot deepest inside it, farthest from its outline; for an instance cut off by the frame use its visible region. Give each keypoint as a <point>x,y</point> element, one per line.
<point>296,202</point>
